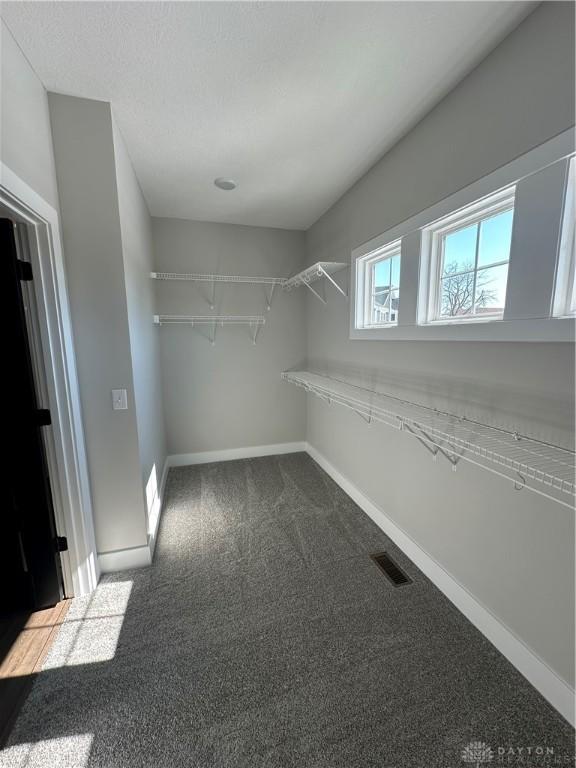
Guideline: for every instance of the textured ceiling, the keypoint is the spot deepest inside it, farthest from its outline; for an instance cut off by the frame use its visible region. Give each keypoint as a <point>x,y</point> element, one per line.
<point>295,100</point>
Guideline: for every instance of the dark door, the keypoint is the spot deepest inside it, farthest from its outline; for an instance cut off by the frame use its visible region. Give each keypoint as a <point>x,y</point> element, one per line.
<point>30,563</point>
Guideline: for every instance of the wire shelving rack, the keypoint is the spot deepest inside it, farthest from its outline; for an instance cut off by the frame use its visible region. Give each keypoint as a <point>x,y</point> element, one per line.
<point>321,269</point>
<point>214,321</point>
<point>541,467</point>
<point>214,279</point>
<point>315,272</point>
<point>253,280</point>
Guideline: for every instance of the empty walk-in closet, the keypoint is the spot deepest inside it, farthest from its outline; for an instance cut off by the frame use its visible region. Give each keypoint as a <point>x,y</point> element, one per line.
<point>291,293</point>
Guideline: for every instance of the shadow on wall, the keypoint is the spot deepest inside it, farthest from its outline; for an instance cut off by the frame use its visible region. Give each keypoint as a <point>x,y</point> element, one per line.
<point>521,409</point>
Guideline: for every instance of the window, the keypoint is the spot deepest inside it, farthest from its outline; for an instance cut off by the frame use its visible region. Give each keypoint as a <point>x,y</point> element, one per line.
<point>494,261</point>
<point>378,279</point>
<point>565,297</point>
<point>469,255</point>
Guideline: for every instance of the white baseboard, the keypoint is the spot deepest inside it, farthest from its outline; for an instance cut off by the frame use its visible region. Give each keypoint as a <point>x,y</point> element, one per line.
<point>123,559</point>
<point>247,452</point>
<point>536,671</point>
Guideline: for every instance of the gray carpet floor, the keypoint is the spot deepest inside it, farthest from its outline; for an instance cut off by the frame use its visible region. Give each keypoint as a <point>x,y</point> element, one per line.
<point>263,636</point>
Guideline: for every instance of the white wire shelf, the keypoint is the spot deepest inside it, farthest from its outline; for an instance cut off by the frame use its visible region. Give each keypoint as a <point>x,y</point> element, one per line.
<point>546,469</point>
<point>253,280</point>
<point>210,319</point>
<point>315,272</point>
<point>254,321</point>
<point>321,269</point>
<point>214,279</point>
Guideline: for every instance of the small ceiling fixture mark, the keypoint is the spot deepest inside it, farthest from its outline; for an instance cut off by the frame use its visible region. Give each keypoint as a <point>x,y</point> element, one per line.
<point>227,184</point>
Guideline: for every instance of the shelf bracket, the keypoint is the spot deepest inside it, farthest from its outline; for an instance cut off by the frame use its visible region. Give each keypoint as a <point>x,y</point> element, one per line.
<point>424,439</point>
<point>255,331</point>
<point>433,449</point>
<point>322,299</point>
<point>269,296</point>
<point>334,283</point>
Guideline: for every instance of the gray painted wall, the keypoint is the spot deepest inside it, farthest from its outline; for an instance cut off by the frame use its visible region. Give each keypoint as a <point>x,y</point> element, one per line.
<point>475,525</point>
<point>26,139</point>
<point>229,395</point>
<point>92,238</point>
<point>136,230</point>
<point>107,245</point>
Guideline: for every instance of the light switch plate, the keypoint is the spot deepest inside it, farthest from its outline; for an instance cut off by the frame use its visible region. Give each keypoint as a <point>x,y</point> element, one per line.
<point>119,400</point>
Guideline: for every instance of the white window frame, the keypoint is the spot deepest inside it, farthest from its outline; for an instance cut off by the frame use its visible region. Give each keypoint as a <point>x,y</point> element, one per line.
<point>538,174</point>
<point>365,281</point>
<point>565,289</point>
<point>434,237</point>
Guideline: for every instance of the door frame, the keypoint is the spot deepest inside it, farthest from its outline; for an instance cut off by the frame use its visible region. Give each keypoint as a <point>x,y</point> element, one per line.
<point>66,451</point>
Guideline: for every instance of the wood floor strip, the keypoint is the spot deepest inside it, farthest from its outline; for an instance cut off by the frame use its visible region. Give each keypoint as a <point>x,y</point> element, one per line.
<point>26,641</point>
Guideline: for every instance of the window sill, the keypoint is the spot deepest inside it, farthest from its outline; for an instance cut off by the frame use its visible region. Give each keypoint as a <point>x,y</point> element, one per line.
<point>464,320</point>
<point>378,327</point>
<point>560,329</point>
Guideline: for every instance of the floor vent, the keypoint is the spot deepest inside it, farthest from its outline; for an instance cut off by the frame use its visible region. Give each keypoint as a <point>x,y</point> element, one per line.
<point>393,572</point>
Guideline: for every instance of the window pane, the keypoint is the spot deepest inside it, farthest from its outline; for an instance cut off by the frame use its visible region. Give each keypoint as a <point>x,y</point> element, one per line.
<point>459,250</point>
<point>381,273</point>
<point>395,272</point>
<point>385,290</point>
<point>495,237</point>
<point>395,288</point>
<point>456,295</point>
<point>491,290</point>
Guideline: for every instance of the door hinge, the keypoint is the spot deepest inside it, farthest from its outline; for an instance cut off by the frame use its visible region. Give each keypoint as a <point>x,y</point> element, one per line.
<point>43,418</point>
<point>25,270</point>
<point>61,544</point>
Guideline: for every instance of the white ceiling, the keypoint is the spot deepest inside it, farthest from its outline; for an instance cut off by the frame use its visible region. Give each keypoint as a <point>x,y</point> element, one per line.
<point>293,100</point>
